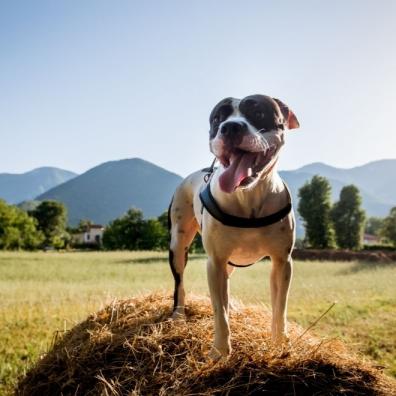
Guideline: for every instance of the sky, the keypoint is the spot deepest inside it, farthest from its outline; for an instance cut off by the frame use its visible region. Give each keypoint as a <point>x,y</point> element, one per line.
<point>85,82</point>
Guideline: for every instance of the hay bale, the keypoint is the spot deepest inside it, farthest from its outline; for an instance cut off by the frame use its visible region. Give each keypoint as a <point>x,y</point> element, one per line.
<point>131,348</point>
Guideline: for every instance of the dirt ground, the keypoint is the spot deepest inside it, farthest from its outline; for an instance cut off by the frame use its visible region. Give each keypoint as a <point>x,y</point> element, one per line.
<point>381,256</point>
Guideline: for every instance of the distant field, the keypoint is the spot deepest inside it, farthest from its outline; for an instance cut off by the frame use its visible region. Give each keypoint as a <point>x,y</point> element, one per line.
<point>41,293</point>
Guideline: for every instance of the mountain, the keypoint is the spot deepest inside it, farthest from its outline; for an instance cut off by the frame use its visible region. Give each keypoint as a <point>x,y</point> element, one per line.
<point>15,188</point>
<point>377,179</point>
<point>371,203</point>
<point>110,189</point>
<point>107,191</point>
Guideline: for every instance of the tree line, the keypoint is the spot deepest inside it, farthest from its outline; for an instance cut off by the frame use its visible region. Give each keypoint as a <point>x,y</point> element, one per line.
<point>327,225</point>
<point>44,226</point>
<point>133,232</point>
<point>343,223</point>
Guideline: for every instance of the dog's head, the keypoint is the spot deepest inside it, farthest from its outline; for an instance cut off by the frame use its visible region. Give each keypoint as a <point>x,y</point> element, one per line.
<point>246,136</point>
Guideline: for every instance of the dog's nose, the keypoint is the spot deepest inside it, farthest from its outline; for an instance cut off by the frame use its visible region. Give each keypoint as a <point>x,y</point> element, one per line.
<point>232,128</point>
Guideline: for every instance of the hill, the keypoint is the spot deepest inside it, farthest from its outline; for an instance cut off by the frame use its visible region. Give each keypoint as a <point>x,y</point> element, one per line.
<point>107,191</point>
<point>15,188</point>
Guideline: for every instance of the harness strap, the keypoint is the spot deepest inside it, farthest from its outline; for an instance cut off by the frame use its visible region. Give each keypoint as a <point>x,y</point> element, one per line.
<point>214,210</point>
<point>210,170</point>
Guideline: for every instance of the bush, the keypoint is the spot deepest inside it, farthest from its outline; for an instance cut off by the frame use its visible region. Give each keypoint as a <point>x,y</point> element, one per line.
<point>132,232</point>
<point>17,229</point>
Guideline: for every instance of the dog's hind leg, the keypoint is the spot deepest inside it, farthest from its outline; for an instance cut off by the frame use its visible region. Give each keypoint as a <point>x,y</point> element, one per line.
<point>281,275</point>
<point>183,228</point>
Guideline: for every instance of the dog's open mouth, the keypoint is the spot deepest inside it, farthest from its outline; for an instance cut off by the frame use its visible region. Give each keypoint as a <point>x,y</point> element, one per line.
<point>243,167</point>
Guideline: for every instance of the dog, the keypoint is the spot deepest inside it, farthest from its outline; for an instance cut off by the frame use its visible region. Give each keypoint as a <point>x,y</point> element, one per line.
<point>242,209</point>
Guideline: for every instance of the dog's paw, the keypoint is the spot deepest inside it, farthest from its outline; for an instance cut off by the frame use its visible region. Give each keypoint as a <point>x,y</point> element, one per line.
<point>217,354</point>
<point>214,354</point>
<point>281,340</point>
<point>178,315</point>
<point>282,345</point>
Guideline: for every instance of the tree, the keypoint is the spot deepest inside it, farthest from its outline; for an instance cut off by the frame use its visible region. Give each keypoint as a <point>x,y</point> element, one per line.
<point>165,238</point>
<point>163,219</point>
<point>17,229</point>
<point>125,232</point>
<point>348,218</point>
<point>388,230</point>
<point>51,219</point>
<point>196,245</point>
<point>154,236</point>
<point>132,232</point>
<point>314,207</point>
<point>84,225</point>
<point>374,225</point>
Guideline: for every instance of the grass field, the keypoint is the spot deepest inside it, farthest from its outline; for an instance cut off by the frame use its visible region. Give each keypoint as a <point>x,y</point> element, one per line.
<point>41,293</point>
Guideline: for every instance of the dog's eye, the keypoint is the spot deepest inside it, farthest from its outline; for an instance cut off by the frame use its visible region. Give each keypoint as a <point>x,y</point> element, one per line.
<point>216,120</point>
<point>260,115</point>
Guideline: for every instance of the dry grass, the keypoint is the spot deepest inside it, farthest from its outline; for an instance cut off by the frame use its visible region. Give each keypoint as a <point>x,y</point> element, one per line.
<point>131,348</point>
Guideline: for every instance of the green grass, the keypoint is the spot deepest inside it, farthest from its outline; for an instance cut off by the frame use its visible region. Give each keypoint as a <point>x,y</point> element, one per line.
<point>41,293</point>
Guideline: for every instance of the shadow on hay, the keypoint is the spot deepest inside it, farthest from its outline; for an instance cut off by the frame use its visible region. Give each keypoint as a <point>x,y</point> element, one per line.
<point>131,348</point>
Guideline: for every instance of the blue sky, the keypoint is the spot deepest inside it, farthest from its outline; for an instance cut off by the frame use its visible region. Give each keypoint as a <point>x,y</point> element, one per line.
<point>83,82</point>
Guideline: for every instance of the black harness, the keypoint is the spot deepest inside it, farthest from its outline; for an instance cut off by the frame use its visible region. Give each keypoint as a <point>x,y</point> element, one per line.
<point>210,204</point>
<point>213,208</point>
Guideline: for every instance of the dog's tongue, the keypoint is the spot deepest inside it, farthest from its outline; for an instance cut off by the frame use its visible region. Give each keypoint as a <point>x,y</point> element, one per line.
<point>238,170</point>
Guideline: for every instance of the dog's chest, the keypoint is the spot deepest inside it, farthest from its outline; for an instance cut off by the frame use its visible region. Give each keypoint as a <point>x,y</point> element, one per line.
<point>246,248</point>
<point>242,257</point>
<point>242,246</point>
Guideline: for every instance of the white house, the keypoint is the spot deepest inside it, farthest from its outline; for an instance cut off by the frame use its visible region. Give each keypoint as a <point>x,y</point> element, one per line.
<point>369,239</point>
<point>91,236</point>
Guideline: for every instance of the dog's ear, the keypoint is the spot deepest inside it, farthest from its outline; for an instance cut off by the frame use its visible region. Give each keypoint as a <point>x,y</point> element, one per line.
<point>290,118</point>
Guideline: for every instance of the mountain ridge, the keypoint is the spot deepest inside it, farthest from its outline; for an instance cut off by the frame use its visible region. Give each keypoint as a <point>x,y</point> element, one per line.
<point>319,163</point>
<point>109,189</point>
<point>376,178</point>
<point>18,187</point>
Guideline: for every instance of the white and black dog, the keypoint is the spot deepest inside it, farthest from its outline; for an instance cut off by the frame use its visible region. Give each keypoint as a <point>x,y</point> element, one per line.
<point>242,209</point>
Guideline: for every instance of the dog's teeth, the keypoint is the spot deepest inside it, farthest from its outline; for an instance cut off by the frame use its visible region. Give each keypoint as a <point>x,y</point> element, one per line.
<point>249,172</point>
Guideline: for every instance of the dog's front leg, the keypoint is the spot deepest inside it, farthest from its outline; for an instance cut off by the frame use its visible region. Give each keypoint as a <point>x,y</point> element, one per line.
<point>281,274</point>
<point>218,280</point>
